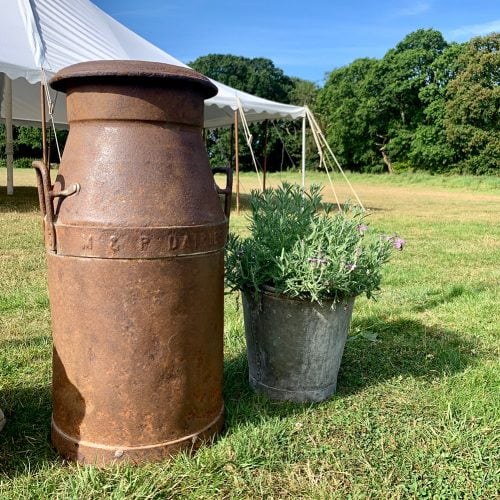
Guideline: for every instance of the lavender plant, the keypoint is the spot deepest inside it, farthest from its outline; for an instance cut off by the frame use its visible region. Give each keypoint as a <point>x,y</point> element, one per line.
<point>303,250</point>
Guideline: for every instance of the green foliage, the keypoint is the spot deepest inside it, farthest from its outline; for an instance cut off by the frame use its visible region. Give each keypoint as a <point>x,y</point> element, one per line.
<point>24,162</point>
<point>473,106</point>
<point>346,113</point>
<point>303,92</point>
<point>2,141</point>
<point>426,104</point>
<point>260,77</point>
<point>28,144</point>
<point>30,137</point>
<point>430,148</point>
<point>257,76</point>
<point>304,252</point>
<point>372,107</point>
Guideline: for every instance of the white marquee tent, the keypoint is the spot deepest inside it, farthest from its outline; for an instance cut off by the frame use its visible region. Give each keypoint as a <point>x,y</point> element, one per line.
<point>40,37</point>
<point>43,36</point>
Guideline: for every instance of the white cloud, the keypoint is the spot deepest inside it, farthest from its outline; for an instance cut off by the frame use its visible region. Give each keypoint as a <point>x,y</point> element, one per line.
<point>414,10</point>
<point>475,30</point>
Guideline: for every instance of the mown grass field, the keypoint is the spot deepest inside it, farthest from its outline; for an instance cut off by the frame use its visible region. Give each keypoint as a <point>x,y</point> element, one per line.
<point>417,410</point>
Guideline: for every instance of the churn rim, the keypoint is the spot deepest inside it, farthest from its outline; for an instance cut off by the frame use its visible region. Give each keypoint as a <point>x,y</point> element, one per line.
<point>109,70</point>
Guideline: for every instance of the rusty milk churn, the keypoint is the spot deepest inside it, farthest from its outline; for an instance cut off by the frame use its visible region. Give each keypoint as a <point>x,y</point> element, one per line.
<point>134,231</point>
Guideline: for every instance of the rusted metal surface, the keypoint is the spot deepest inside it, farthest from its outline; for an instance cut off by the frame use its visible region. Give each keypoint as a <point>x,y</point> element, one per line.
<point>135,259</point>
<point>137,355</point>
<point>139,243</point>
<point>45,197</point>
<point>227,191</point>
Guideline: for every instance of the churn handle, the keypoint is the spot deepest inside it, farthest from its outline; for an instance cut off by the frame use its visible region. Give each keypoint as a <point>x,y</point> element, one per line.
<point>46,207</point>
<point>228,190</point>
<point>45,197</point>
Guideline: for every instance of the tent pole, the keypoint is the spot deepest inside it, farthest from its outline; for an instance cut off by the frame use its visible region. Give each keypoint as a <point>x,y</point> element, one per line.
<point>49,140</point>
<point>304,151</point>
<point>9,142</point>
<point>231,153</point>
<point>264,163</point>
<point>237,161</point>
<point>44,123</point>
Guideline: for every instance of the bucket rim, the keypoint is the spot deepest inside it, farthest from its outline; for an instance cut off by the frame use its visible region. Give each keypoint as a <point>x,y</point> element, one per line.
<point>271,292</point>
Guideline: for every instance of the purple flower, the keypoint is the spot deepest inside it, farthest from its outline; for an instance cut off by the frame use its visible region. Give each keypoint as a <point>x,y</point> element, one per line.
<point>351,267</point>
<point>398,243</point>
<point>362,228</point>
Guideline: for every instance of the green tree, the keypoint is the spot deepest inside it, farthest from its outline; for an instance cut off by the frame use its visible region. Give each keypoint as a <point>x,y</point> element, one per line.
<point>303,92</point>
<point>430,148</point>
<point>372,108</point>
<point>262,78</point>
<point>258,76</point>
<point>472,110</point>
<point>346,110</point>
<point>28,142</point>
<point>402,74</point>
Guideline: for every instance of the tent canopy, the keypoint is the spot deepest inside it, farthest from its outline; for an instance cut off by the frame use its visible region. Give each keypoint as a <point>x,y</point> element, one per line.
<point>44,36</point>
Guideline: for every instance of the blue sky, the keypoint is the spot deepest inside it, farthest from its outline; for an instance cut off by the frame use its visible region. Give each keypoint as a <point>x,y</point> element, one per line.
<point>304,38</point>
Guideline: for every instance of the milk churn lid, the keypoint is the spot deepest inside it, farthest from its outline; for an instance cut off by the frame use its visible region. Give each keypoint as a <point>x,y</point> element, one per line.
<point>127,71</point>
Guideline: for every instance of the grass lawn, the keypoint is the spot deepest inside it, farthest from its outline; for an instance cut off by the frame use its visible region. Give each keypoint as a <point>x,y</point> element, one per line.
<point>416,414</point>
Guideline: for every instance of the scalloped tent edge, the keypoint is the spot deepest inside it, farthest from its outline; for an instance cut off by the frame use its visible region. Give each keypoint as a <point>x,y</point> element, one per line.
<point>40,37</point>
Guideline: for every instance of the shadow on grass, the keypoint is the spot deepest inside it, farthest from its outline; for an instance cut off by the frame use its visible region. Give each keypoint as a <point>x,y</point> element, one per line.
<point>405,348</point>
<point>401,347</point>
<point>24,199</point>
<point>436,297</point>
<point>25,439</point>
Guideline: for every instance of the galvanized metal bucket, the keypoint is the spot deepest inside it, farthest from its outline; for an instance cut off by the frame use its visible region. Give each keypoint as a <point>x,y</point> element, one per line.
<point>295,347</point>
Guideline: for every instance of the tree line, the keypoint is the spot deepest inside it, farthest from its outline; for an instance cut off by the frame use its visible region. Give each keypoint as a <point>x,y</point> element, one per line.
<point>425,105</point>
